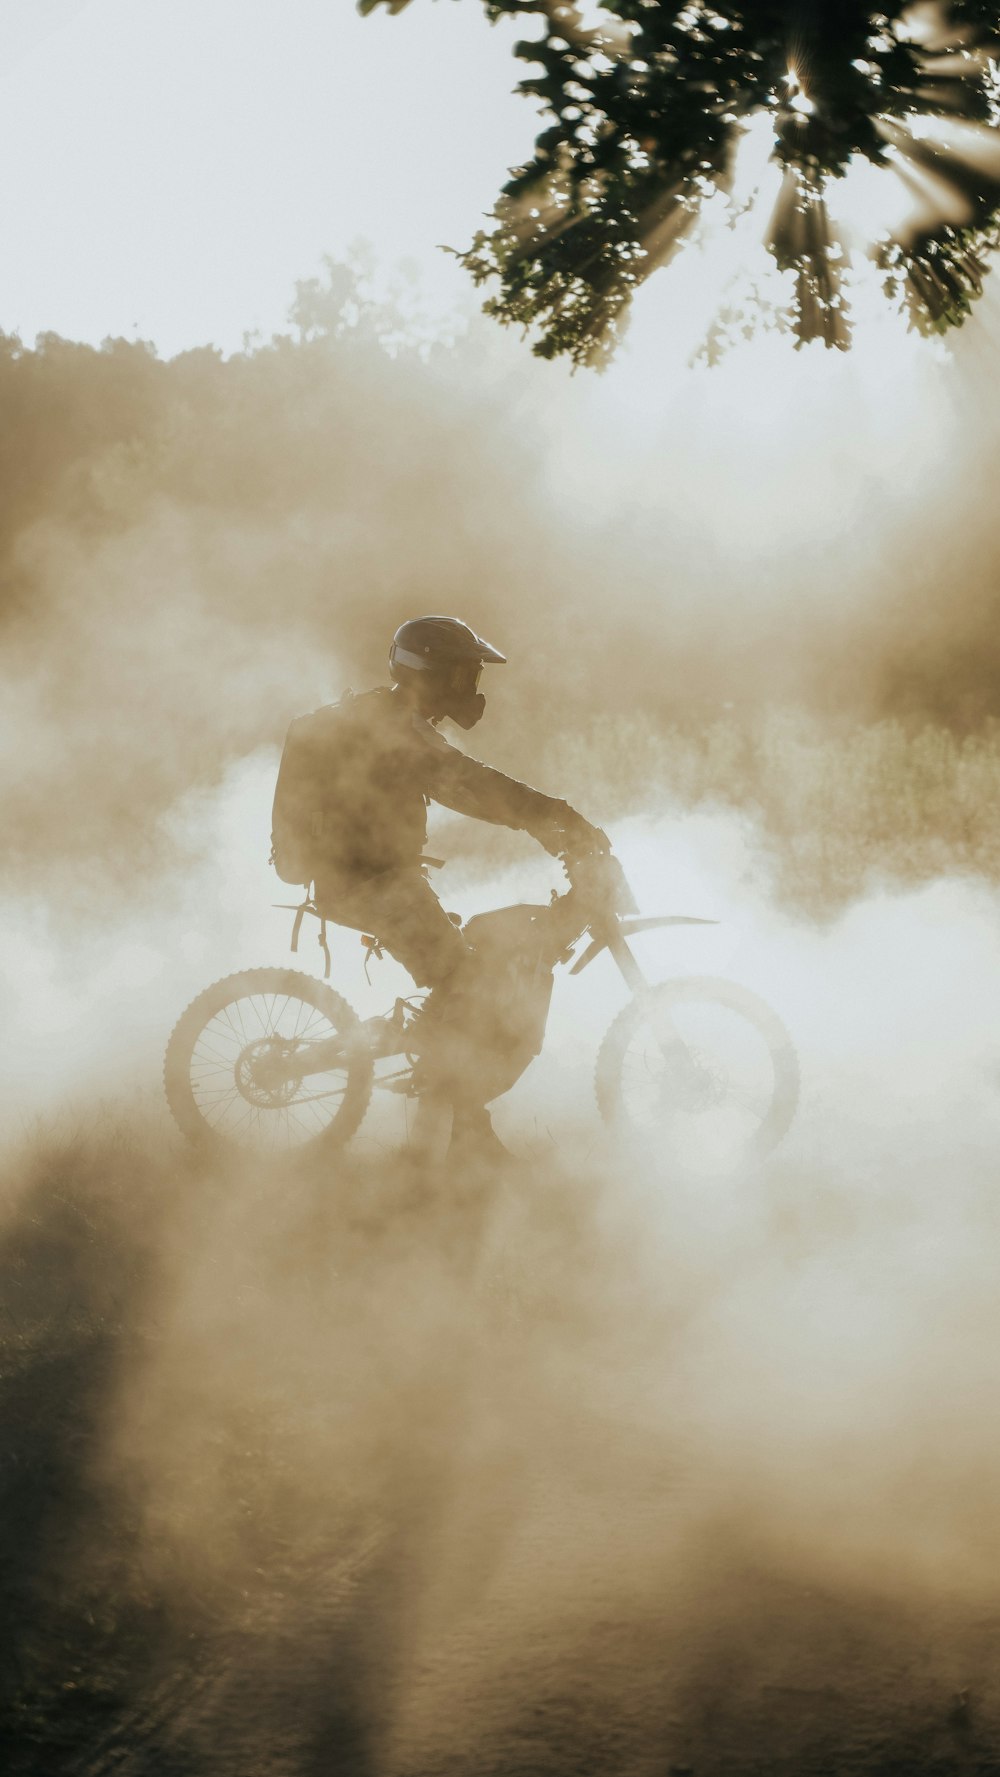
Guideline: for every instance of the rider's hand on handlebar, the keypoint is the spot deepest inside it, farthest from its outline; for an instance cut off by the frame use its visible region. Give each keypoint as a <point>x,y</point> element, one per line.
<point>580,848</point>
<point>571,837</point>
<point>595,873</point>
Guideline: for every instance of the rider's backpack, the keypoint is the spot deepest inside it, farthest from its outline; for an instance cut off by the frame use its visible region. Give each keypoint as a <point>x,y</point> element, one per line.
<point>308,820</point>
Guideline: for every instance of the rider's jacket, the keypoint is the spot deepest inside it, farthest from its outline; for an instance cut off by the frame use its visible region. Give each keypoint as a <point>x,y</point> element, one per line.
<point>392,764</point>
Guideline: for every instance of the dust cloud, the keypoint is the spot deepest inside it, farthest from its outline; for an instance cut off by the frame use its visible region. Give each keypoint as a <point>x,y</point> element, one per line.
<point>594,1466</point>
<point>193,549</point>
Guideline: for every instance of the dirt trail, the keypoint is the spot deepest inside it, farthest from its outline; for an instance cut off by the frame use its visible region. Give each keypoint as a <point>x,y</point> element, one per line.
<point>504,1570</point>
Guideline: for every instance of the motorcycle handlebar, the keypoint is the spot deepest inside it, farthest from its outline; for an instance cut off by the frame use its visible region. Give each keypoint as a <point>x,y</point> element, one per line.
<point>598,875</point>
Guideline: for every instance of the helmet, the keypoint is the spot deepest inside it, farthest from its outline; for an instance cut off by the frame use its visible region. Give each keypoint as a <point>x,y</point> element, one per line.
<point>444,654</point>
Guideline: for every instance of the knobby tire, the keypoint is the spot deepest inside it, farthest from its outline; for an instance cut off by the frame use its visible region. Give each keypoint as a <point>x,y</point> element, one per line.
<point>208,1005</point>
<point>785,1096</point>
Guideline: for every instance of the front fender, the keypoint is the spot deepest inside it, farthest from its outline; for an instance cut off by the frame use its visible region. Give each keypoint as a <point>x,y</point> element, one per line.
<point>628,928</point>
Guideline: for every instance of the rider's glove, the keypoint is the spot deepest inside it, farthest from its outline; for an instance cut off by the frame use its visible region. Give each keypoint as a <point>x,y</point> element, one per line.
<point>567,834</point>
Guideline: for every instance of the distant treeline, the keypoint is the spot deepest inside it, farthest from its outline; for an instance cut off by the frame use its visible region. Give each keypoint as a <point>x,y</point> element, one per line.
<point>193,549</point>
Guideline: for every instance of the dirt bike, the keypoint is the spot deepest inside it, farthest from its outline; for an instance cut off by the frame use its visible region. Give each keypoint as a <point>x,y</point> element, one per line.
<point>272,1059</point>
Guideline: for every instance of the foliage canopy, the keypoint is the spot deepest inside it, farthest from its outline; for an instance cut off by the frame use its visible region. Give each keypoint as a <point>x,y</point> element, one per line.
<point>648,107</point>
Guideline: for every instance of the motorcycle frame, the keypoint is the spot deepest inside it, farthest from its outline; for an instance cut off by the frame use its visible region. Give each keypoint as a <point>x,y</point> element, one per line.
<point>609,931</point>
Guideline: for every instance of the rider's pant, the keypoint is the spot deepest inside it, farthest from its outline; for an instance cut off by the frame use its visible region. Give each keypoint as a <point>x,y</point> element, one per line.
<point>402,911</point>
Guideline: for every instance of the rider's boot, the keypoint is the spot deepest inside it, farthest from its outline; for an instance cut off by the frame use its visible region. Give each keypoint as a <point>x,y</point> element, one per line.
<point>474,1139</point>
<point>431,1128</point>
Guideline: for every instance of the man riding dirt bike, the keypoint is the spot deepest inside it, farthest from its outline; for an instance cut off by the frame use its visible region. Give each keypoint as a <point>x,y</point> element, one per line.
<point>270,1062</point>
<point>359,780</point>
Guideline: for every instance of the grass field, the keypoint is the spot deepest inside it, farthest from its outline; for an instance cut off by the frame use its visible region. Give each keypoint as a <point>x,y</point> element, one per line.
<point>837,809</point>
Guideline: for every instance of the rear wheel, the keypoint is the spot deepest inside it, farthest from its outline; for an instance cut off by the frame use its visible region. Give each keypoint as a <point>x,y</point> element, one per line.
<point>233,1070</point>
<point>702,1068</point>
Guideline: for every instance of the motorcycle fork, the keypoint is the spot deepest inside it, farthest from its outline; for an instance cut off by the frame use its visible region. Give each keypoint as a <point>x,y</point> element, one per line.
<point>634,977</point>
<point>673,1049</point>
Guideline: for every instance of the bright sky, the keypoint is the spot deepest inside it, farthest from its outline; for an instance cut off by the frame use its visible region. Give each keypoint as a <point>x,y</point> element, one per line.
<point>171,167</point>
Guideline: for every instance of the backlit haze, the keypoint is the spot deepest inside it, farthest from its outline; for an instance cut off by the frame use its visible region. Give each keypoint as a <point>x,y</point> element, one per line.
<point>621,1465</point>
<point>785,538</point>
<point>170,167</point>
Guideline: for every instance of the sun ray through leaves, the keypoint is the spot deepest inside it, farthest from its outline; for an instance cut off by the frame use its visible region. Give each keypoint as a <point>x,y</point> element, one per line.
<point>647,104</point>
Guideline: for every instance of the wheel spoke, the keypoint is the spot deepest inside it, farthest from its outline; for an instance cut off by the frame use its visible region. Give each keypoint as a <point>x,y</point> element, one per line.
<point>219,1054</point>
<point>703,1071</point>
<point>239,1073</point>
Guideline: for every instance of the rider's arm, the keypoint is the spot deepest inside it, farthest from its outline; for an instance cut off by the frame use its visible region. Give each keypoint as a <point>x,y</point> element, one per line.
<point>471,788</point>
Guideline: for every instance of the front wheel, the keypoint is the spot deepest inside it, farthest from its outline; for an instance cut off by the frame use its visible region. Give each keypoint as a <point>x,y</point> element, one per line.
<point>702,1068</point>
<point>240,1070</point>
